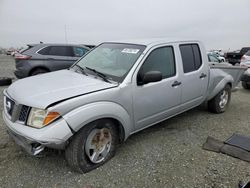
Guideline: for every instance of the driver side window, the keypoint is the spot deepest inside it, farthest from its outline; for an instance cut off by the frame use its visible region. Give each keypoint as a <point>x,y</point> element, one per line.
<point>162,60</point>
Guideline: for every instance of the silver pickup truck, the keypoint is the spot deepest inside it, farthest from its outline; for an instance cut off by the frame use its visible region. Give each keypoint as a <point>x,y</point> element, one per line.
<point>117,89</point>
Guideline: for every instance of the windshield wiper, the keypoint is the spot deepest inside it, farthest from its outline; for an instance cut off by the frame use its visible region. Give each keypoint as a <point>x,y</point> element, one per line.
<point>100,74</point>
<point>81,69</point>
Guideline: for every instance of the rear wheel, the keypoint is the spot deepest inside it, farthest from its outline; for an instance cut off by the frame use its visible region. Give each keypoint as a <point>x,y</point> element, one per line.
<point>245,85</point>
<point>220,102</point>
<point>38,71</point>
<point>92,146</point>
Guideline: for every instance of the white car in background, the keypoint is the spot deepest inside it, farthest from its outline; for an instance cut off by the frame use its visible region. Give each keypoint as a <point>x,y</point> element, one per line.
<point>221,58</point>
<point>218,56</point>
<point>218,52</point>
<point>214,58</point>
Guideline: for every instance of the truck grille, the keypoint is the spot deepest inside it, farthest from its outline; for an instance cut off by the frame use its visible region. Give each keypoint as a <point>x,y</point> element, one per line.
<point>16,111</point>
<point>23,113</point>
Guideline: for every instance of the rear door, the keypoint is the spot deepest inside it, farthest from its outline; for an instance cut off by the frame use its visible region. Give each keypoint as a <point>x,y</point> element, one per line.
<point>58,57</point>
<point>195,75</point>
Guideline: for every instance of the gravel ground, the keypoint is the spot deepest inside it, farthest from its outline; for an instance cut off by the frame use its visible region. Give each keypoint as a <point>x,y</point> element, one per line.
<point>168,154</point>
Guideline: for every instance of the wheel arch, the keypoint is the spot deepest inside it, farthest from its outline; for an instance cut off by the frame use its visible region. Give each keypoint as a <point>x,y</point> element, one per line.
<point>120,127</point>
<point>230,84</point>
<point>219,86</point>
<point>38,67</point>
<point>98,111</point>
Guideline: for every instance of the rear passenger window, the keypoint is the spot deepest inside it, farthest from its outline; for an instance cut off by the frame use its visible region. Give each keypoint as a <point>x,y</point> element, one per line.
<point>197,56</point>
<point>57,51</point>
<point>79,52</point>
<point>44,51</point>
<point>61,51</point>
<point>191,57</point>
<point>160,59</point>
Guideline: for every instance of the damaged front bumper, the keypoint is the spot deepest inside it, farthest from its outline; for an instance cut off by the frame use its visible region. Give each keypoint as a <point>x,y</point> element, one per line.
<point>33,140</point>
<point>30,146</point>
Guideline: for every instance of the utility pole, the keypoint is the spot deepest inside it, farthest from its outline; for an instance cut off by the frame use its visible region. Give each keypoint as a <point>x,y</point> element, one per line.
<point>65,34</point>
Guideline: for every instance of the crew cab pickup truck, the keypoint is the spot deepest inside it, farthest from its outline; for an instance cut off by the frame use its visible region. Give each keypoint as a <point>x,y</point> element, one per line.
<point>235,57</point>
<point>115,90</point>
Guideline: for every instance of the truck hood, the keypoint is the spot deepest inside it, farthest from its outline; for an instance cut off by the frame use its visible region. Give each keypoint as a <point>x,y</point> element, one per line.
<point>42,90</point>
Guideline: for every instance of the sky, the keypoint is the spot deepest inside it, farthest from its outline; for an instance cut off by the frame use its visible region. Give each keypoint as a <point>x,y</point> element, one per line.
<point>220,24</point>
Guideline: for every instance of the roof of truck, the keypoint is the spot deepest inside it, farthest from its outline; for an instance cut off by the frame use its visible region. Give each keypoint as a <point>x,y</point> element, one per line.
<point>153,41</point>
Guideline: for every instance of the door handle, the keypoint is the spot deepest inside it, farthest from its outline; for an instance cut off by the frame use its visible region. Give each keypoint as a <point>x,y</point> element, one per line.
<point>203,75</point>
<point>176,83</point>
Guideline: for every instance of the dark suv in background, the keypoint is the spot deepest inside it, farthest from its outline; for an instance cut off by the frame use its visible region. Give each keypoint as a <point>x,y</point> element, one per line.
<point>234,57</point>
<point>42,58</point>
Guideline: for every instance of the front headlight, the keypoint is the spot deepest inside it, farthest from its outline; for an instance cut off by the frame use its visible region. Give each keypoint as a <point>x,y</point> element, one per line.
<point>39,118</point>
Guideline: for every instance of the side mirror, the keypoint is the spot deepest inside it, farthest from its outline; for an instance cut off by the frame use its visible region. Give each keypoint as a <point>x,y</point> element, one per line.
<point>151,76</point>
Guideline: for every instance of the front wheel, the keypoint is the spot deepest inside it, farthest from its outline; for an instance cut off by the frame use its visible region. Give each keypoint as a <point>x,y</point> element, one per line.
<point>92,146</point>
<point>220,102</point>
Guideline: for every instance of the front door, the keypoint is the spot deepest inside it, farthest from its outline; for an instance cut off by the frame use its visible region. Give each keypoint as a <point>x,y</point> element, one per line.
<point>154,102</point>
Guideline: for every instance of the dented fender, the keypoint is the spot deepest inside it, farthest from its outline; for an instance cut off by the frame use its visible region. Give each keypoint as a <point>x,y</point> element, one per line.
<point>83,115</point>
<point>217,83</point>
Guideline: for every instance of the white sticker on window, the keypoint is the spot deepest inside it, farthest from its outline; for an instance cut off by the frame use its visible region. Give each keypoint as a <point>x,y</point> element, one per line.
<point>130,50</point>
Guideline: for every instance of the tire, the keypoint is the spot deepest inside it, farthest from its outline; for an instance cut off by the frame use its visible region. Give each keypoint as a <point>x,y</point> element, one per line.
<point>81,151</point>
<point>4,81</point>
<point>245,85</point>
<point>38,71</point>
<point>220,102</point>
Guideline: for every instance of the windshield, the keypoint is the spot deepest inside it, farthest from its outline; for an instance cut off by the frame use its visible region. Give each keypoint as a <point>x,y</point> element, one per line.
<point>112,59</point>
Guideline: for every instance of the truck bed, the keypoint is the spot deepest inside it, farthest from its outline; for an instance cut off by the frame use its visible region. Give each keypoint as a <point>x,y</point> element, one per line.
<point>220,75</point>
<point>234,71</point>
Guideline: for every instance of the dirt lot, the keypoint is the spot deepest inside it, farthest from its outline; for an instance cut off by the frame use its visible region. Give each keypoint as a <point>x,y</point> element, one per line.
<point>166,155</point>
